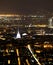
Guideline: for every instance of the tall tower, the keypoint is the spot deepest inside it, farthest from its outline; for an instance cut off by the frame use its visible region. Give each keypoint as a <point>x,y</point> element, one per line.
<point>18,35</point>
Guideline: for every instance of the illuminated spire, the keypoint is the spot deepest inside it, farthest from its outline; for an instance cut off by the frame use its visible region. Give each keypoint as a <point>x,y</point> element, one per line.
<point>18,35</point>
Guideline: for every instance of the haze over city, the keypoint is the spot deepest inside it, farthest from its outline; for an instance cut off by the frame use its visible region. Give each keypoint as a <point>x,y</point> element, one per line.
<point>25,6</point>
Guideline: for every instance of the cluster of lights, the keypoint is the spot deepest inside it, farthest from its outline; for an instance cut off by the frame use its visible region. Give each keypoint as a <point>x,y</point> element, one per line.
<point>48,46</point>
<point>8,15</point>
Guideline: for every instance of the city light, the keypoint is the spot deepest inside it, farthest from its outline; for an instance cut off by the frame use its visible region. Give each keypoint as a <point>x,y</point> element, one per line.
<point>33,55</point>
<point>17,51</point>
<point>38,51</point>
<point>8,15</point>
<point>27,62</point>
<point>8,61</point>
<point>48,46</point>
<point>24,34</point>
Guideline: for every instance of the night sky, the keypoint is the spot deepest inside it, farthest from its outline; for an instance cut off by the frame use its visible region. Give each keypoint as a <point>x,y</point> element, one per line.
<point>25,6</point>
